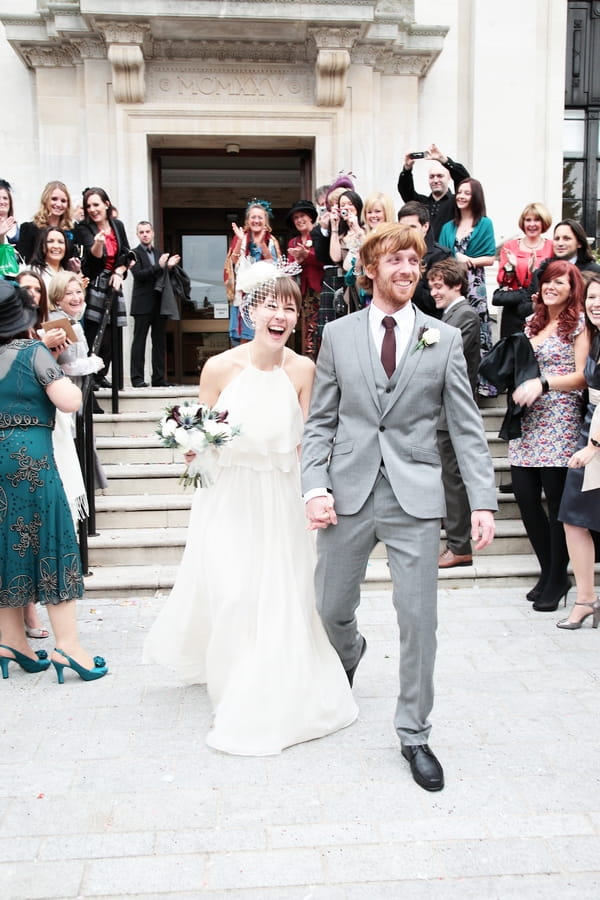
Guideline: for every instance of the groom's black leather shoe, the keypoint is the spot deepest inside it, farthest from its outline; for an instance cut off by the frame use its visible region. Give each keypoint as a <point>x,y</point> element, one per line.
<point>425,767</point>
<point>351,672</point>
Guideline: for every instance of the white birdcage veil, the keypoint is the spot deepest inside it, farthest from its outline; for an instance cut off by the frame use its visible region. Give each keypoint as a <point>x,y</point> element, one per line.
<point>259,280</point>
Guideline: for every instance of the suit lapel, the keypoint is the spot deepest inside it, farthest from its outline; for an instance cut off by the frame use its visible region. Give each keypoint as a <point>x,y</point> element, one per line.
<point>362,337</point>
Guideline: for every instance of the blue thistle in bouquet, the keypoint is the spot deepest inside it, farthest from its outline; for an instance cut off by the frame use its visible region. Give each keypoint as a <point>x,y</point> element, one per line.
<point>198,429</point>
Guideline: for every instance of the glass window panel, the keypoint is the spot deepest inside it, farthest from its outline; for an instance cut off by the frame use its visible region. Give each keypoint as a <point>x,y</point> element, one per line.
<point>574,132</point>
<point>572,180</point>
<point>203,256</point>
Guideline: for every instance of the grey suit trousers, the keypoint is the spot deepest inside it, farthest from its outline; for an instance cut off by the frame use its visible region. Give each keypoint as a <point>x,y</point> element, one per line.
<point>412,546</point>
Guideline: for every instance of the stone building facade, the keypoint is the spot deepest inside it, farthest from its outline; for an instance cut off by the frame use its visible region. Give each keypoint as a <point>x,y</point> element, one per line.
<point>184,109</point>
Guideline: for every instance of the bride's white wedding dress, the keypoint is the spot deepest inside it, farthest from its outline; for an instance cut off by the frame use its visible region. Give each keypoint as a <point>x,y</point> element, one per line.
<point>241,616</point>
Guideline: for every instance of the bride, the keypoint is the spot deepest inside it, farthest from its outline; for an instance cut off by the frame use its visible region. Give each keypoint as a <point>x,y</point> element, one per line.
<point>241,616</point>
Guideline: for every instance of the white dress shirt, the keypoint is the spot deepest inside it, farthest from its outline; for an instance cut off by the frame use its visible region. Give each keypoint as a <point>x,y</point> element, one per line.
<point>405,322</point>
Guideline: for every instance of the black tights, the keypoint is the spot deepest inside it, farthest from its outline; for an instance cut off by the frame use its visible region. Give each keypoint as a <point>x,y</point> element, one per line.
<point>545,532</point>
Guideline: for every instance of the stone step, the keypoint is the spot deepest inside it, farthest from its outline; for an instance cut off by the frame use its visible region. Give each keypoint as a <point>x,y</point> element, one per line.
<point>163,478</point>
<point>153,510</point>
<point>519,571</point>
<point>143,546</point>
<point>143,510</point>
<point>132,400</point>
<point>147,448</point>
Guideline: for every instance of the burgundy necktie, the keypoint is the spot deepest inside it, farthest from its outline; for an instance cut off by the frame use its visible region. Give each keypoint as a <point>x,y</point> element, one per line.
<point>388,348</point>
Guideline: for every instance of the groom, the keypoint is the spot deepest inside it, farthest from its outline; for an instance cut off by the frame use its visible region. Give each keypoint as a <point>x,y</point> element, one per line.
<point>371,470</point>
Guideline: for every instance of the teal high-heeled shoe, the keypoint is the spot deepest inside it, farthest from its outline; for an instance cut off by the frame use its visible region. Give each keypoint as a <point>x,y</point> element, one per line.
<point>100,668</point>
<point>27,664</point>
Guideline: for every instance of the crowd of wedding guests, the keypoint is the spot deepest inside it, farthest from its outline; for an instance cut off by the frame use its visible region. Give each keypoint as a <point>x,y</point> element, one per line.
<point>70,259</point>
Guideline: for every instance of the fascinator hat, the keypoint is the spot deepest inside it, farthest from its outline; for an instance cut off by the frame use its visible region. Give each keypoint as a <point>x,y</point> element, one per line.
<point>259,281</point>
<point>17,312</point>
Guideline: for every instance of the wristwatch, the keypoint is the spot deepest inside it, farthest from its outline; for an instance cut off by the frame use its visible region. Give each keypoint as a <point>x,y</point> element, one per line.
<point>594,443</point>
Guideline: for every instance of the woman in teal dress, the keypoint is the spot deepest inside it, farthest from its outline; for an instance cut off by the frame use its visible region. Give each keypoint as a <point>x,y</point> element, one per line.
<point>470,237</point>
<point>39,556</point>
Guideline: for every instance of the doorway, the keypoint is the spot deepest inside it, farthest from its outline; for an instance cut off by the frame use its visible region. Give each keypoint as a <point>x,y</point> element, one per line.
<point>198,195</point>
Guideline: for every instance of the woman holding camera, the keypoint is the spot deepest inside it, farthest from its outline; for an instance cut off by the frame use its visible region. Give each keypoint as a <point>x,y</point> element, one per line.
<point>106,256</point>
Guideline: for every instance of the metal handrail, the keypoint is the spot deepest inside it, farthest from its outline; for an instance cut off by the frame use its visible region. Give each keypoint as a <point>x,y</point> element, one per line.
<point>84,421</point>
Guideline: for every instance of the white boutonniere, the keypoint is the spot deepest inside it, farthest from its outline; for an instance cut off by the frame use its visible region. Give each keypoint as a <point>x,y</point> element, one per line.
<point>308,244</point>
<point>426,338</point>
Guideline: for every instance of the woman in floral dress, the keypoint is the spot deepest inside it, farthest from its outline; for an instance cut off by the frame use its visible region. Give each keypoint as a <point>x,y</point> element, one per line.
<point>551,423</point>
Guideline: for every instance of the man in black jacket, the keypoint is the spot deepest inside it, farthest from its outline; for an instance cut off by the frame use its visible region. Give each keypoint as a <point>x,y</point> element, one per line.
<point>440,202</point>
<point>416,215</point>
<point>145,307</point>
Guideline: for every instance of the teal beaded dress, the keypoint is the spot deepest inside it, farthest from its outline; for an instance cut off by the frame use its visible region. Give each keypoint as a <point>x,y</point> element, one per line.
<point>39,555</point>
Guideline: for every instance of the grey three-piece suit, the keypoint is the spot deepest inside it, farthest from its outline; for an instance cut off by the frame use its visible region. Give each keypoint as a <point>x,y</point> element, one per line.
<point>372,442</point>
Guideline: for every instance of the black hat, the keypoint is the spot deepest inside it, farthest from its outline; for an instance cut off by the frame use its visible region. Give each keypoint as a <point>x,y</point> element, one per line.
<point>302,206</point>
<point>15,315</point>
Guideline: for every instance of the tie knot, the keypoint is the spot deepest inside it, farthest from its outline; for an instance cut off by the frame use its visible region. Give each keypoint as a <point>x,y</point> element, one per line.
<point>388,322</point>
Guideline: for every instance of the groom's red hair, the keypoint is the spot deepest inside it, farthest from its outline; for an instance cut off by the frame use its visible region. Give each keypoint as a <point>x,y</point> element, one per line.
<point>387,238</point>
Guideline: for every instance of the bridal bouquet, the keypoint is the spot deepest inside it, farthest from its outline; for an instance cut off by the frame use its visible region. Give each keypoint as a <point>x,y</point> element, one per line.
<point>196,428</point>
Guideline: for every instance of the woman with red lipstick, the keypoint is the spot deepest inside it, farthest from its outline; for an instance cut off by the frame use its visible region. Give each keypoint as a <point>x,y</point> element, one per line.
<point>550,424</point>
<point>106,256</point>
<point>241,616</point>
<point>519,259</point>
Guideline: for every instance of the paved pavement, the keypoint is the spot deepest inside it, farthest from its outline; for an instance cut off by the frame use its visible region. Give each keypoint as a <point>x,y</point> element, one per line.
<point>107,789</point>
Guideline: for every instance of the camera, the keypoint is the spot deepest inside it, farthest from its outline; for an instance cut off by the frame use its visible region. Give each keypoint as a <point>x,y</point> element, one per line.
<point>418,155</point>
<point>344,213</point>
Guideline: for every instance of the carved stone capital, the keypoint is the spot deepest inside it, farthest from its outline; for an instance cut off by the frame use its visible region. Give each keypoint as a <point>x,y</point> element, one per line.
<point>125,33</point>
<point>89,48</point>
<point>50,57</point>
<point>127,61</point>
<point>334,38</point>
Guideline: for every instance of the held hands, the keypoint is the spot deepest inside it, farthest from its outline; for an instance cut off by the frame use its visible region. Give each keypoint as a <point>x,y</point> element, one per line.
<point>483,528</point>
<point>528,392</point>
<point>320,513</point>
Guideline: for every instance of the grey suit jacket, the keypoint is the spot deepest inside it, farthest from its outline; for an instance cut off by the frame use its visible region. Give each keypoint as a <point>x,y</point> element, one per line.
<point>466,319</point>
<point>350,430</point>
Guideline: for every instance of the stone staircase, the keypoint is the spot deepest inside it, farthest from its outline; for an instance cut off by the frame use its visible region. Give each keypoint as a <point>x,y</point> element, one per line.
<point>141,520</point>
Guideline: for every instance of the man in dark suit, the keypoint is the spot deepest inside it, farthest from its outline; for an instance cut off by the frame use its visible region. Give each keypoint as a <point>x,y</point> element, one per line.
<point>448,286</point>
<point>145,307</point>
